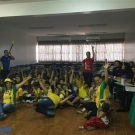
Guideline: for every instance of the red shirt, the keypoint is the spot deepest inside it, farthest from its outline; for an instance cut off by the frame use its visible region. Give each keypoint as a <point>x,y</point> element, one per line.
<point>87,65</point>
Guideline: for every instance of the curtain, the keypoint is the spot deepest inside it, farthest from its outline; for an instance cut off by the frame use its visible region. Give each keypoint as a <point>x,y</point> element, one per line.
<point>76,52</point>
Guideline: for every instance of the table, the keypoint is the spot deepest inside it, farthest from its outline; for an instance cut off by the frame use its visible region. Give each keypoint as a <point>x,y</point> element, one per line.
<point>125,84</point>
<point>130,89</point>
<point>117,80</point>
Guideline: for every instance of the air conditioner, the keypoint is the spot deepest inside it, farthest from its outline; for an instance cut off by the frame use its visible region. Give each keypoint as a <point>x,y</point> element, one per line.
<point>92,38</point>
<point>64,39</point>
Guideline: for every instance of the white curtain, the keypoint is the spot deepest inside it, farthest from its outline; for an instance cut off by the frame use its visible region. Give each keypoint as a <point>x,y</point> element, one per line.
<point>77,52</point>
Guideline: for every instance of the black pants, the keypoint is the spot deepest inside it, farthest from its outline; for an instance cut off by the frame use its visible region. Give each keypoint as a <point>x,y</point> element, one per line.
<point>125,99</point>
<point>46,107</point>
<point>92,113</point>
<point>90,106</point>
<point>88,78</point>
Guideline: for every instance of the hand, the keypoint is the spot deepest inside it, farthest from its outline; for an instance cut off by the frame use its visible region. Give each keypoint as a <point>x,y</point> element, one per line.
<point>70,96</point>
<point>29,76</point>
<point>9,53</point>
<point>92,47</point>
<point>106,65</point>
<point>80,73</point>
<point>39,77</point>
<point>102,100</point>
<point>72,70</point>
<point>65,71</point>
<point>43,71</point>
<point>36,71</point>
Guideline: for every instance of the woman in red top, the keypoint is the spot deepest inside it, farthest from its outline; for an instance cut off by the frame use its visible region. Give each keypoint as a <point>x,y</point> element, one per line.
<point>87,67</point>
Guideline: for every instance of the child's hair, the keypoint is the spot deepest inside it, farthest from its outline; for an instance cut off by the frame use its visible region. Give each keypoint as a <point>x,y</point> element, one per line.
<point>47,82</point>
<point>36,84</point>
<point>106,108</point>
<point>98,75</point>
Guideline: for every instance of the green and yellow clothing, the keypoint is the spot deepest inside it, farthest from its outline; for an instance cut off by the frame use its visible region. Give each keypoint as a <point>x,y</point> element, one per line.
<point>102,92</point>
<point>9,96</point>
<point>55,98</point>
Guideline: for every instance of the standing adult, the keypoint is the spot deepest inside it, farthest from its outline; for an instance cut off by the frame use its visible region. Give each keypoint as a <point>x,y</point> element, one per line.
<point>87,67</point>
<point>6,64</point>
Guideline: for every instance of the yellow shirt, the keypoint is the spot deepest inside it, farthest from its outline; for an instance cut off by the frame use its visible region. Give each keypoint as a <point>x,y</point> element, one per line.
<point>102,92</point>
<point>55,98</point>
<point>78,83</point>
<point>8,96</point>
<point>82,92</point>
<point>37,91</point>
<point>24,78</point>
<point>19,93</point>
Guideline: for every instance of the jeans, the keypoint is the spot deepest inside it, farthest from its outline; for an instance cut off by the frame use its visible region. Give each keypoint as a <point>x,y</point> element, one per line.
<point>6,107</point>
<point>46,107</point>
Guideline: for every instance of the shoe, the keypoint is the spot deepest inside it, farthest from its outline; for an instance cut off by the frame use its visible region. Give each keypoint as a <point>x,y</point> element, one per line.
<point>91,128</point>
<point>23,101</point>
<point>29,101</point>
<point>121,110</point>
<point>79,112</point>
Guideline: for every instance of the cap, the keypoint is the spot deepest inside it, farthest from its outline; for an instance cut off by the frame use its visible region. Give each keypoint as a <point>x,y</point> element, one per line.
<point>8,80</point>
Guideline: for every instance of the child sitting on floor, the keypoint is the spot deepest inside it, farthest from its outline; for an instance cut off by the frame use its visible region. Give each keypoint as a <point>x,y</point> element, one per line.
<point>102,119</point>
<point>90,98</point>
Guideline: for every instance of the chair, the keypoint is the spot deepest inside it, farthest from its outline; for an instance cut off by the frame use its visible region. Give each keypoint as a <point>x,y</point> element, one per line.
<point>114,92</point>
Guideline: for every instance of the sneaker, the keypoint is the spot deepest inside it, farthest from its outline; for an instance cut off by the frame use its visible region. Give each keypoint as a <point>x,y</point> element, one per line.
<point>79,112</point>
<point>91,128</point>
<point>121,110</point>
<point>28,101</point>
<point>23,101</point>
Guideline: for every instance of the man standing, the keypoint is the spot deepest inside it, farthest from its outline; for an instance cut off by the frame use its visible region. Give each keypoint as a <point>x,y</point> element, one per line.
<point>87,67</point>
<point>6,64</point>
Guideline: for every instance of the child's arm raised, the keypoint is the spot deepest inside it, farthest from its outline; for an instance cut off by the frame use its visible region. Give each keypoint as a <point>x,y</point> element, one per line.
<point>42,85</point>
<point>23,82</point>
<point>106,65</point>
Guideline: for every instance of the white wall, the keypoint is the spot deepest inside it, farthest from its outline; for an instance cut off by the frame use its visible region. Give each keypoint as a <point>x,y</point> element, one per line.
<point>62,6</point>
<point>24,49</point>
<point>129,53</point>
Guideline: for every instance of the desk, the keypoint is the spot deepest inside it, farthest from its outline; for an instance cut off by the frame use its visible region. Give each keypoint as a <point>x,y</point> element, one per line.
<point>117,80</point>
<point>125,84</point>
<point>130,89</point>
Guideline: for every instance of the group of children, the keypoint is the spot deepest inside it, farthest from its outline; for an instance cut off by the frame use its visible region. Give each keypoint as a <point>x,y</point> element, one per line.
<point>49,89</point>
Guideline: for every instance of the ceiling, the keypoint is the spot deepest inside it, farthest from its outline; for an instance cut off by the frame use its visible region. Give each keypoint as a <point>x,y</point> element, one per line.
<point>116,22</point>
<point>20,1</point>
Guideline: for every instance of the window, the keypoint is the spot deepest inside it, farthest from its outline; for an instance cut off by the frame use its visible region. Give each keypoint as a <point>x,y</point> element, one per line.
<point>77,52</point>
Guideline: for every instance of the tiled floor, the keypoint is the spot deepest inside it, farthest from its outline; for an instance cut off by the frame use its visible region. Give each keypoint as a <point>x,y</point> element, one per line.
<point>25,121</point>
